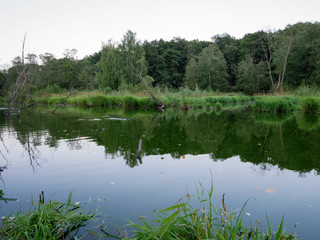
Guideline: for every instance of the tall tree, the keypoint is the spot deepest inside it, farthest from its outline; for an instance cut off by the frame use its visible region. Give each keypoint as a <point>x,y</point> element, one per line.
<point>134,65</point>
<point>192,74</point>
<point>124,63</point>
<point>228,45</point>
<point>110,67</point>
<point>208,71</point>
<point>303,63</point>
<point>212,68</point>
<point>252,78</point>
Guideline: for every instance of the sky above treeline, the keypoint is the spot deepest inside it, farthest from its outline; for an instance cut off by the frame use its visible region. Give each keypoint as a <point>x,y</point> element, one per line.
<point>55,25</point>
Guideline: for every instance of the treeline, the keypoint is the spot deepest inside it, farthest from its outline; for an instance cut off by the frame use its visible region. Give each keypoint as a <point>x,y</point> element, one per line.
<point>264,61</point>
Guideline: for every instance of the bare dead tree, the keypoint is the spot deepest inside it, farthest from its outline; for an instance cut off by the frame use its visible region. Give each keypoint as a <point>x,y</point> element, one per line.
<point>268,52</point>
<point>279,54</point>
<point>23,82</point>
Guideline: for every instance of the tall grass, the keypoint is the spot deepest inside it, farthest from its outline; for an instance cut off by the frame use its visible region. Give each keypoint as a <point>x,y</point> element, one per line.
<point>275,104</point>
<point>50,220</point>
<point>183,221</point>
<point>180,100</point>
<point>310,105</point>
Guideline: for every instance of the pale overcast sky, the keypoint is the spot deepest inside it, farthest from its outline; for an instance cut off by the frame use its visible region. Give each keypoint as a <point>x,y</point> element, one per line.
<point>55,25</point>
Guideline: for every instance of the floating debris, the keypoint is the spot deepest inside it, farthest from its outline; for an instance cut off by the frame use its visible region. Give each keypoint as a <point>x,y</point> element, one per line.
<point>119,119</point>
<point>270,190</point>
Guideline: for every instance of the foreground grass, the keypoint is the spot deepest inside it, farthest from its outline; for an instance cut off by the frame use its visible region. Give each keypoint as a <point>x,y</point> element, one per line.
<point>50,220</point>
<point>183,221</point>
<point>56,220</point>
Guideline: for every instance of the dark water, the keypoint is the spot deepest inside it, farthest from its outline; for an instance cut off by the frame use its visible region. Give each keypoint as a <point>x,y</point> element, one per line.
<point>273,160</point>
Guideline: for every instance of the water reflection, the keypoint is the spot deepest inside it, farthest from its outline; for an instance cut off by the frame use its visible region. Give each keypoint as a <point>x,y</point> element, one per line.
<point>287,141</point>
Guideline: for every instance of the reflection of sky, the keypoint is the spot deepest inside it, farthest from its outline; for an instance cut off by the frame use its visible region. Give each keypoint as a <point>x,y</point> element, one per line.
<point>157,183</point>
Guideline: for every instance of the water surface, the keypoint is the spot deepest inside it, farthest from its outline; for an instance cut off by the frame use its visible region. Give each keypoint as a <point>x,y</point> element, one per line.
<point>273,160</point>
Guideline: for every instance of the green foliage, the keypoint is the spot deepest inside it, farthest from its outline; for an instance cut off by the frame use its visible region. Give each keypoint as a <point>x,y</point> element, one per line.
<point>208,70</point>
<point>184,221</point>
<point>271,118</point>
<point>304,90</point>
<point>260,62</point>
<point>53,89</point>
<point>252,78</point>
<point>275,104</point>
<point>217,106</point>
<point>307,122</point>
<point>310,105</point>
<point>122,64</point>
<point>47,220</point>
<point>130,101</point>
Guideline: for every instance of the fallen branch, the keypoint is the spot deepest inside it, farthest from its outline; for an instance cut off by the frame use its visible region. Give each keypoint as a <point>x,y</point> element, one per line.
<point>62,103</point>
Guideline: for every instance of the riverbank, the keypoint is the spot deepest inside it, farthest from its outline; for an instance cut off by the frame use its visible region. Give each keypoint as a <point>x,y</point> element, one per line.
<point>260,103</point>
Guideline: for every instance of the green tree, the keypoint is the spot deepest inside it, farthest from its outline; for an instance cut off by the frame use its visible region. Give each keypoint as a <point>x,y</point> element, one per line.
<point>192,74</point>
<point>3,84</point>
<point>122,64</point>
<point>212,69</point>
<point>303,64</point>
<point>252,78</point>
<point>228,45</point>
<point>208,70</point>
<point>134,65</point>
<point>110,67</point>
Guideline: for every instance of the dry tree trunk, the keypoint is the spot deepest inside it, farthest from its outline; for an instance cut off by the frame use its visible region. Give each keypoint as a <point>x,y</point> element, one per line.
<point>22,83</point>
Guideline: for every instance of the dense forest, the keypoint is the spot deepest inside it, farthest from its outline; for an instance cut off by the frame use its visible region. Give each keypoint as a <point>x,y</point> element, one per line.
<point>260,62</point>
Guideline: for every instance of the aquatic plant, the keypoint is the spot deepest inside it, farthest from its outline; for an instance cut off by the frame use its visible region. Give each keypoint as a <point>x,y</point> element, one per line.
<point>48,220</point>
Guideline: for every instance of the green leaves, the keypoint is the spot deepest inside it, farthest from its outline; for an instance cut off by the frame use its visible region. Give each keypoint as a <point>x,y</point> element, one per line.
<point>50,220</point>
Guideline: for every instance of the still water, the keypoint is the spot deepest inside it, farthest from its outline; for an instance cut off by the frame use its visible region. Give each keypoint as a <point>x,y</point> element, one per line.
<point>272,160</point>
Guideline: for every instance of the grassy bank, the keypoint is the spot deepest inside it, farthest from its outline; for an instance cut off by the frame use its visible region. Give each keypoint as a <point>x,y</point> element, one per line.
<point>285,104</point>
<point>172,100</point>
